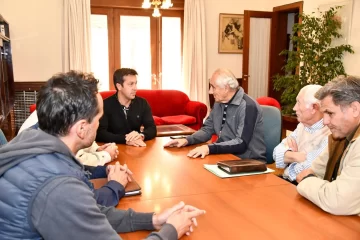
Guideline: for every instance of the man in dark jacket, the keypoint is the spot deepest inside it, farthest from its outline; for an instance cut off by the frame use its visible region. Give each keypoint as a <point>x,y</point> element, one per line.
<point>236,119</point>
<point>45,193</point>
<point>125,113</point>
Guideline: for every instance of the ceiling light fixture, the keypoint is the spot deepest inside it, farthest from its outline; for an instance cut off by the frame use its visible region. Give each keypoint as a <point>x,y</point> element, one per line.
<point>165,4</point>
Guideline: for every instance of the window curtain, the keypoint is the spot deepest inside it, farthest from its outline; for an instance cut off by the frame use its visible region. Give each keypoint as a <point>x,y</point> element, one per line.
<point>77,35</point>
<point>194,51</point>
<point>259,52</point>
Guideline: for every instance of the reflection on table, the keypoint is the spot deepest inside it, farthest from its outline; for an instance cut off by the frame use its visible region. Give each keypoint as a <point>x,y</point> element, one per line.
<point>252,207</point>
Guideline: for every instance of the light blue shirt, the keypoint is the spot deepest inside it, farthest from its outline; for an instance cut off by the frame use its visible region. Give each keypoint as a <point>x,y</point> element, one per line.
<point>3,140</point>
<point>295,168</point>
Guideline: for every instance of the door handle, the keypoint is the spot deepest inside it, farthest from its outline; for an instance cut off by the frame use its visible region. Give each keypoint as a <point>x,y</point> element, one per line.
<point>245,77</point>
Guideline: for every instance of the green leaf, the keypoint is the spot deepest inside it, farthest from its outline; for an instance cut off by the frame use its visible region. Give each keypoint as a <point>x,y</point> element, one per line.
<point>316,59</point>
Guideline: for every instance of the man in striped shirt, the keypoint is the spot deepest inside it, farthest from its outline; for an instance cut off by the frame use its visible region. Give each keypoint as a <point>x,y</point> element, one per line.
<point>297,151</point>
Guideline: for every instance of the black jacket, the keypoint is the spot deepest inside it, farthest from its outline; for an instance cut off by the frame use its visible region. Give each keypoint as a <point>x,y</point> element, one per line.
<point>114,124</point>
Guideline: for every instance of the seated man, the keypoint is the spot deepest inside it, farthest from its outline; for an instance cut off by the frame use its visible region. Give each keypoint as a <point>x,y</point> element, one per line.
<point>125,113</point>
<point>333,181</point>
<point>45,193</point>
<point>91,156</point>
<point>235,118</point>
<point>297,151</point>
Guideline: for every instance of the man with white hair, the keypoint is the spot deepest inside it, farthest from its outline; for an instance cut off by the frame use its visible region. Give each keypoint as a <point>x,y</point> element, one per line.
<point>333,181</point>
<point>236,119</point>
<point>310,138</point>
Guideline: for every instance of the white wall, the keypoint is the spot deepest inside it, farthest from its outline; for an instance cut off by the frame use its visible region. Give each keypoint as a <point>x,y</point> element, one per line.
<point>234,61</point>
<point>36,37</point>
<point>212,9</point>
<point>36,28</point>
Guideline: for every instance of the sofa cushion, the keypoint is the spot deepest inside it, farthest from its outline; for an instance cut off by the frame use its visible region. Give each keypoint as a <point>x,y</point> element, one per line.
<point>179,119</point>
<point>158,121</point>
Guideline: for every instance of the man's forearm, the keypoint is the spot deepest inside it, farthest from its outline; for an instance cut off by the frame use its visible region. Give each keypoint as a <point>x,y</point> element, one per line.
<point>291,157</point>
<point>129,220</point>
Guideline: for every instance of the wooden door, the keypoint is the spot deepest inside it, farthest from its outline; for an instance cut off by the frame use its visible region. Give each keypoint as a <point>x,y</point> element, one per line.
<point>247,16</point>
<point>279,42</point>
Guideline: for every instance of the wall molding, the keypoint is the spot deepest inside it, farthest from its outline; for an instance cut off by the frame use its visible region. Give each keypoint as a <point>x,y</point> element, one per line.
<point>28,86</point>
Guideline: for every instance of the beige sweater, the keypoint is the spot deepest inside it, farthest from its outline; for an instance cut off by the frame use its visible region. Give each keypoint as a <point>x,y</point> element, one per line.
<point>341,196</point>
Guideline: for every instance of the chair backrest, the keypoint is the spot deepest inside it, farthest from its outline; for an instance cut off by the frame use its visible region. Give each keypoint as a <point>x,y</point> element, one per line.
<point>165,102</point>
<point>272,130</point>
<point>269,101</point>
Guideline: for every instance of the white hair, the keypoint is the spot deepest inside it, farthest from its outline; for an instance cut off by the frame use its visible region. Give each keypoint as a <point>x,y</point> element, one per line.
<point>226,77</point>
<point>309,94</point>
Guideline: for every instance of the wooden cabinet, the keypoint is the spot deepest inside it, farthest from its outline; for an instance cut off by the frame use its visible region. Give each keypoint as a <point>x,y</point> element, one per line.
<point>6,79</point>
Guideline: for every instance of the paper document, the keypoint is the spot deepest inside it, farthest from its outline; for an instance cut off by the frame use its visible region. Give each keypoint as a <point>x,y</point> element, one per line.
<point>220,173</point>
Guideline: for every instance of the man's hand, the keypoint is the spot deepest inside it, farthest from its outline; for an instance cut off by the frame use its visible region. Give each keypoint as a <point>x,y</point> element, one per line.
<point>177,143</point>
<point>181,216</point>
<point>199,151</point>
<point>112,149</point>
<point>304,173</point>
<point>133,136</point>
<point>102,147</point>
<point>136,143</point>
<point>120,174</point>
<point>291,142</point>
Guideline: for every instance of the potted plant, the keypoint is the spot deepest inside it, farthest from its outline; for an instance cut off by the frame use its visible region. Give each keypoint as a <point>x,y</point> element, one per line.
<point>314,59</point>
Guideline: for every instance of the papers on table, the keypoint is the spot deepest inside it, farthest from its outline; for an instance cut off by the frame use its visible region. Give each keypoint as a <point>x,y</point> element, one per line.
<point>220,173</point>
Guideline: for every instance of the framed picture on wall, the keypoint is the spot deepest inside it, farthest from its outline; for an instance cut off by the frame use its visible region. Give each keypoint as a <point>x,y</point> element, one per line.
<point>231,27</point>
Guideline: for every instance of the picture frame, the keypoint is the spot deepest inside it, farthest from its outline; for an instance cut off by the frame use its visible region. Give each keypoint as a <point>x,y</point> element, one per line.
<point>231,29</point>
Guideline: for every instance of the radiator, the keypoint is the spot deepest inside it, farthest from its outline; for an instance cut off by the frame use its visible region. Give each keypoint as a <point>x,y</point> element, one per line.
<point>23,100</point>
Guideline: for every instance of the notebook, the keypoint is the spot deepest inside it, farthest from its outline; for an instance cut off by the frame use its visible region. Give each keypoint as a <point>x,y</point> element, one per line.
<point>213,168</point>
<point>242,166</point>
<point>131,189</point>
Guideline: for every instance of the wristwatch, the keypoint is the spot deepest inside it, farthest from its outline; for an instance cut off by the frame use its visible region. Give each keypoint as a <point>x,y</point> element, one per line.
<point>309,175</point>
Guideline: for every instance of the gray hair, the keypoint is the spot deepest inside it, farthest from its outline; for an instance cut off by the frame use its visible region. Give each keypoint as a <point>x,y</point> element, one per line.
<point>226,77</point>
<point>309,94</point>
<point>343,90</point>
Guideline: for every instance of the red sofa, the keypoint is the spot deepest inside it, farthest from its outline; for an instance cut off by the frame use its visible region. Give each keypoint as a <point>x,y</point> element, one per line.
<point>168,107</point>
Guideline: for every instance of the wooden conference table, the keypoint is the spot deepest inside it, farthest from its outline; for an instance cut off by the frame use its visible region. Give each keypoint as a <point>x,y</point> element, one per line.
<point>252,207</point>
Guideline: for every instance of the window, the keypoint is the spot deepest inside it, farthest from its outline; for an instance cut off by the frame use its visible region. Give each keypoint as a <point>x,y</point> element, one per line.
<point>126,37</point>
<point>99,50</point>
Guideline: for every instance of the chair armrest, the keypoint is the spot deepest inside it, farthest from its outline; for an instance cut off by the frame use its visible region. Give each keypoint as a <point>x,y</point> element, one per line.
<point>197,110</point>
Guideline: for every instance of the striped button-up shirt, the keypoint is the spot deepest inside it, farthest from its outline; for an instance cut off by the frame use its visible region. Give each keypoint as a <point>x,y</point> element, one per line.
<point>295,168</point>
